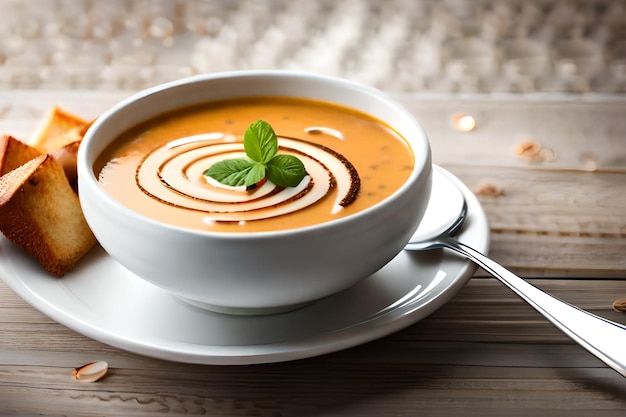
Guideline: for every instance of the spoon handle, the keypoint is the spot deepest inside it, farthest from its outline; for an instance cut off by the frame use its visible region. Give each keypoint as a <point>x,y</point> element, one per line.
<point>602,337</point>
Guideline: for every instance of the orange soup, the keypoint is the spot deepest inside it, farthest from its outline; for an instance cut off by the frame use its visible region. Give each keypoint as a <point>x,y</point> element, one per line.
<point>352,160</point>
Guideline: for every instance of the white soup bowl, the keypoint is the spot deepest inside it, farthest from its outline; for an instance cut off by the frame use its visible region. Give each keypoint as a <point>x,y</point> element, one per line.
<point>239,272</point>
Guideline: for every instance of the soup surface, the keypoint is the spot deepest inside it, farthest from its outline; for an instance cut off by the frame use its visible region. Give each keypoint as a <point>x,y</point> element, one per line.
<point>353,161</point>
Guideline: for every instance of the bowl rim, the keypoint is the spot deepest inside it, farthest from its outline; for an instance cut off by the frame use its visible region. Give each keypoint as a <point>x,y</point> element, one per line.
<point>87,178</point>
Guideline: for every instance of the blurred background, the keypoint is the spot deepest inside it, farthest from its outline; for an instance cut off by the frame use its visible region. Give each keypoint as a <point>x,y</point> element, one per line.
<point>570,47</point>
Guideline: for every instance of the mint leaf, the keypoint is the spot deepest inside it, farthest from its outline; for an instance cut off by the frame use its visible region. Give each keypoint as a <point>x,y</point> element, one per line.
<point>261,145</point>
<point>233,172</point>
<point>260,142</point>
<point>285,170</point>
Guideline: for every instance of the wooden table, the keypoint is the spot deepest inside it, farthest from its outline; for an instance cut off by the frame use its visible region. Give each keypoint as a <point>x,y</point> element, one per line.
<point>560,222</point>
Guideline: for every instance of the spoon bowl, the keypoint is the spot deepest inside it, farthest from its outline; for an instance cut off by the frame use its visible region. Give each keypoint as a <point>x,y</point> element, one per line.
<point>445,217</point>
<point>603,338</point>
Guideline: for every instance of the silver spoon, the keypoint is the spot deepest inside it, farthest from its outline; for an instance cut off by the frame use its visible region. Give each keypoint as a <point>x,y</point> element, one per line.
<point>603,338</point>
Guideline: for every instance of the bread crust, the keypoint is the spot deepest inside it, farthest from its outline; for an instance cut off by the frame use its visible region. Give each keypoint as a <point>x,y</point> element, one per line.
<point>14,152</point>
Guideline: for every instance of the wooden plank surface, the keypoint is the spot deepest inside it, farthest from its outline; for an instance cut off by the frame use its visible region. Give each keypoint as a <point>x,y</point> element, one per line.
<point>552,222</point>
<point>485,353</point>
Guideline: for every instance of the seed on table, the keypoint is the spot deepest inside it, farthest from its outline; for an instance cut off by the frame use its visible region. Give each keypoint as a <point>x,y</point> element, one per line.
<point>91,372</point>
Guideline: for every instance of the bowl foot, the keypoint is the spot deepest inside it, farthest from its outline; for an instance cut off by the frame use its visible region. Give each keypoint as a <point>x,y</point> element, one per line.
<point>244,311</point>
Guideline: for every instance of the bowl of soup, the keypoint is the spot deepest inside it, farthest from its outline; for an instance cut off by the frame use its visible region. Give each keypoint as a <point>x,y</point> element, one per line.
<point>265,247</point>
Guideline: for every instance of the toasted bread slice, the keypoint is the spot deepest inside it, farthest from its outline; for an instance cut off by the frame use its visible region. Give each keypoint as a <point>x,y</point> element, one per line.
<point>86,127</point>
<point>40,212</point>
<point>57,129</point>
<point>13,153</point>
<point>67,157</point>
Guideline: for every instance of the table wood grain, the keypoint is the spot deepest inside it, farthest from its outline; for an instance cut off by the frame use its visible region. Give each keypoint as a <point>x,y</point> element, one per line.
<point>560,223</point>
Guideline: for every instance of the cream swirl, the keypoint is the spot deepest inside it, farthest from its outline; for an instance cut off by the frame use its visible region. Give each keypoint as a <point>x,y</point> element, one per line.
<point>173,174</point>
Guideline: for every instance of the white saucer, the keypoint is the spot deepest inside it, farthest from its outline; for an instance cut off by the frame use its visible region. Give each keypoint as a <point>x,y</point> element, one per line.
<point>104,301</point>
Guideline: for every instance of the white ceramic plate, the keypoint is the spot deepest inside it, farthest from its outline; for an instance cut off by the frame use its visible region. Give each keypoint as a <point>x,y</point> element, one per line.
<point>104,301</point>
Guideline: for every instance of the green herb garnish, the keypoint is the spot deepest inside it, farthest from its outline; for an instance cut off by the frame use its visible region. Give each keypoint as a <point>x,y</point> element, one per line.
<point>263,161</point>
